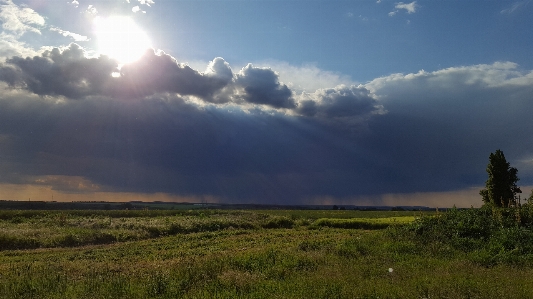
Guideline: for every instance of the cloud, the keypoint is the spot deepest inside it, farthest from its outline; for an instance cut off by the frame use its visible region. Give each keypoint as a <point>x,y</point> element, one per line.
<point>306,78</point>
<point>228,151</point>
<point>74,36</point>
<point>74,3</point>
<point>65,73</point>
<point>137,9</point>
<point>91,10</point>
<point>11,46</point>
<point>514,7</point>
<point>498,74</point>
<point>65,184</point>
<point>17,20</point>
<point>444,124</point>
<point>219,68</point>
<point>164,144</point>
<point>68,72</point>
<point>146,2</point>
<point>159,72</point>
<point>261,86</point>
<point>409,8</point>
<point>247,136</point>
<point>340,102</point>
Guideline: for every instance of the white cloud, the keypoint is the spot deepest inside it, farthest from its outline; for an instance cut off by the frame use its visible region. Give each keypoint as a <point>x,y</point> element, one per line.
<point>19,20</point>
<point>307,77</point>
<point>498,74</point>
<point>11,46</point>
<point>75,3</point>
<point>146,2</point>
<point>91,10</point>
<point>409,7</point>
<point>74,36</point>
<point>137,9</point>
<point>514,7</point>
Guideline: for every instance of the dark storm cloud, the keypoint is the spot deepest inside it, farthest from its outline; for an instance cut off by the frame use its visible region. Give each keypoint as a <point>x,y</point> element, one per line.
<point>341,101</point>
<point>67,73</point>
<point>262,86</point>
<point>154,73</point>
<point>162,144</point>
<point>70,74</point>
<point>141,133</point>
<point>441,126</point>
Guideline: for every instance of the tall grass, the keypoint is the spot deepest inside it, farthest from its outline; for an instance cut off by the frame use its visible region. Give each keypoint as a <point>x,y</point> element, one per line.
<point>263,263</point>
<point>228,254</point>
<point>363,223</point>
<point>48,229</point>
<point>21,230</point>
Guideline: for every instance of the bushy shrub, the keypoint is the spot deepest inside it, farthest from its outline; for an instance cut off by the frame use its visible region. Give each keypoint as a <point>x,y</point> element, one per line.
<point>455,223</point>
<point>349,223</point>
<point>8,242</point>
<point>278,222</point>
<point>492,235</point>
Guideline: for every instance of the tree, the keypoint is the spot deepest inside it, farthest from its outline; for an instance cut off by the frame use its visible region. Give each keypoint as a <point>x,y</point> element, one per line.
<point>501,185</point>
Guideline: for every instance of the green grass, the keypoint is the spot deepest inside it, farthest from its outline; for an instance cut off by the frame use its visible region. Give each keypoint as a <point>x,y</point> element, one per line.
<point>343,214</point>
<point>364,223</point>
<point>245,254</point>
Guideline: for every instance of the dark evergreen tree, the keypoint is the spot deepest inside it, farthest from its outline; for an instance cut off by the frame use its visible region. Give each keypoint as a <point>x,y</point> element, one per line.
<point>501,188</point>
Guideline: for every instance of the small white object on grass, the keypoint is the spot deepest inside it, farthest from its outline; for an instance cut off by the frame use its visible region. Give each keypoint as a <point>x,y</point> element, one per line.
<point>390,270</point>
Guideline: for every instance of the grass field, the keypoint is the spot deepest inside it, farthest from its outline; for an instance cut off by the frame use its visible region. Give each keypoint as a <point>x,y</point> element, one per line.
<point>239,254</point>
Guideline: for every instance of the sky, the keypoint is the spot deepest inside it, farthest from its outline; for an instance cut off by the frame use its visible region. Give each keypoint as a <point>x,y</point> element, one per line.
<point>267,102</point>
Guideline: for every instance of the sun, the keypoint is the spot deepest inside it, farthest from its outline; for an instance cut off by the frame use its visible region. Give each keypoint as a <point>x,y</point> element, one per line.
<point>120,38</point>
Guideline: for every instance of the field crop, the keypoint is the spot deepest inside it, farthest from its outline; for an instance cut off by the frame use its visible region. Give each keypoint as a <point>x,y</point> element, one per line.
<point>239,254</point>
